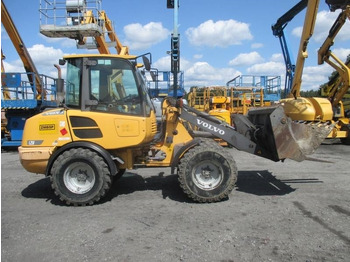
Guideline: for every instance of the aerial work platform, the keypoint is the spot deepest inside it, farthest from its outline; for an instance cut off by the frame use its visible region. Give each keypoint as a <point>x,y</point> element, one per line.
<point>73,32</point>
<point>81,20</point>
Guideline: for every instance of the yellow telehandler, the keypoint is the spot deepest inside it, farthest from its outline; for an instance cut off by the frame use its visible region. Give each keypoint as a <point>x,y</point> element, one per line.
<point>107,124</point>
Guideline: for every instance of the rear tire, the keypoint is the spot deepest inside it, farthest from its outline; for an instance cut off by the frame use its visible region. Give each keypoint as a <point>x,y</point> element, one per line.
<point>80,177</point>
<point>207,172</point>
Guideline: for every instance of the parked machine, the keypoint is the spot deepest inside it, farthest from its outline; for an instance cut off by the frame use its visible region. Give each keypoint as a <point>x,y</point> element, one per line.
<point>107,124</point>
<point>334,84</point>
<point>83,21</point>
<point>240,94</point>
<point>342,87</point>
<point>160,84</point>
<point>314,108</point>
<point>214,100</point>
<point>270,86</point>
<point>23,94</point>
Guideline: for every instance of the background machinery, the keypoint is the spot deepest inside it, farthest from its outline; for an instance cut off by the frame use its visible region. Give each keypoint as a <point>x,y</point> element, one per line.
<point>107,124</point>
<point>342,85</point>
<point>314,108</point>
<point>83,21</point>
<point>333,85</point>
<point>278,31</point>
<point>270,85</point>
<point>240,94</point>
<point>160,83</point>
<point>23,94</point>
<point>215,100</point>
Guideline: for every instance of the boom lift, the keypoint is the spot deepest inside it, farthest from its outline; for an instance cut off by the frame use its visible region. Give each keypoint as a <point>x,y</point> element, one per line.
<point>342,86</point>
<point>295,106</point>
<point>22,51</point>
<point>108,124</point>
<point>22,98</point>
<point>278,30</point>
<point>80,20</point>
<point>333,85</point>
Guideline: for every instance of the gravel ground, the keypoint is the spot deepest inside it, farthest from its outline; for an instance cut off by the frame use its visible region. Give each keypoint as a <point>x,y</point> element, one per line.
<point>278,212</point>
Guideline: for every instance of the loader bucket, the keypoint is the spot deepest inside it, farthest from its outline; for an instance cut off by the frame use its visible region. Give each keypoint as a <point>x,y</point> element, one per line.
<point>279,137</point>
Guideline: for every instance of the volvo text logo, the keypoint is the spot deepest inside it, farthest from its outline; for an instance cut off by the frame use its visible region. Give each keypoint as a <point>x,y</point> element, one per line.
<point>210,127</point>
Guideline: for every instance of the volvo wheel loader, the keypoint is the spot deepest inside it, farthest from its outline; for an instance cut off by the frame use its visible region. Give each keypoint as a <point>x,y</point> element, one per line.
<point>107,124</point>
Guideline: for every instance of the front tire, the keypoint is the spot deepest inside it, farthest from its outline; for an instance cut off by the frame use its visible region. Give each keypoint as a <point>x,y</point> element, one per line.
<point>80,177</point>
<point>207,172</point>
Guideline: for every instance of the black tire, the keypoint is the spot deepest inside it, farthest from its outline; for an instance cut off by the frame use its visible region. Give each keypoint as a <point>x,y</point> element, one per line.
<point>207,172</point>
<point>80,177</point>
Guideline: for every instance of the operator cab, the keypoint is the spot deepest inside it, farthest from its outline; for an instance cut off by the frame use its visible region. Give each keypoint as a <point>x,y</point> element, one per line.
<point>108,84</point>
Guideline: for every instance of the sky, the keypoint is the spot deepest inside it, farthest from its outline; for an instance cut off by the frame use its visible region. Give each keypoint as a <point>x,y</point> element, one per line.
<point>219,40</point>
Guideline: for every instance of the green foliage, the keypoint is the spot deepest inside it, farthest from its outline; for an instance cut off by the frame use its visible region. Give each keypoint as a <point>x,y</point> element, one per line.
<point>311,93</point>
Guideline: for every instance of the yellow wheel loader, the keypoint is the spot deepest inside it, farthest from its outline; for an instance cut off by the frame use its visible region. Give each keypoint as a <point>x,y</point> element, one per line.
<point>107,124</point>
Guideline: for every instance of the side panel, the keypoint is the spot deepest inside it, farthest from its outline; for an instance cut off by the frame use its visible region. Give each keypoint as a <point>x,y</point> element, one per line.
<point>47,129</point>
<point>42,134</point>
<point>111,131</point>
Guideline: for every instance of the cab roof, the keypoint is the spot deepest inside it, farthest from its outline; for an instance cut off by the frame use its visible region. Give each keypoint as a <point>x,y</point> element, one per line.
<point>100,55</point>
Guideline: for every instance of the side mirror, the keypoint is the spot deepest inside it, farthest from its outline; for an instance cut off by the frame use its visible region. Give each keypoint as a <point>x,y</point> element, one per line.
<point>62,62</point>
<point>146,63</point>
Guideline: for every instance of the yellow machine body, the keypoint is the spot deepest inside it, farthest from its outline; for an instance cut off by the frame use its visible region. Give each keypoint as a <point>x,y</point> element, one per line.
<point>222,114</point>
<point>58,127</point>
<point>107,124</point>
<point>308,109</point>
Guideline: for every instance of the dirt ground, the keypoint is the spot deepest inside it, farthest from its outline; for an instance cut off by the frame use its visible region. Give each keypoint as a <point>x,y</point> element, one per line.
<point>278,212</point>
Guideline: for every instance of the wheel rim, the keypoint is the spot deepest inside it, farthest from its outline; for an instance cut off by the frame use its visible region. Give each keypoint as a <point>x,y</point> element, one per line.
<point>207,175</point>
<point>79,178</point>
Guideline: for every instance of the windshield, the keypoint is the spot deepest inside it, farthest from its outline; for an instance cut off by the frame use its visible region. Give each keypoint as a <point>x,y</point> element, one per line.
<point>114,88</point>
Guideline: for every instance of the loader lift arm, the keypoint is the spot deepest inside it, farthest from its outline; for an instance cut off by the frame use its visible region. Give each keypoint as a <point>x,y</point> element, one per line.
<point>266,132</point>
